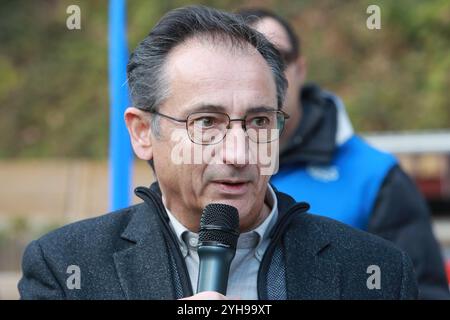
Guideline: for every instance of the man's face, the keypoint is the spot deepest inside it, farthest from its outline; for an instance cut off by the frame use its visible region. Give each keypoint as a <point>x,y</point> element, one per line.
<point>210,77</point>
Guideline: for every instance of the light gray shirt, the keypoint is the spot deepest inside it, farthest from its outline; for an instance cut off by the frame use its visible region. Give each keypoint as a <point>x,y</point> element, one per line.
<point>242,280</point>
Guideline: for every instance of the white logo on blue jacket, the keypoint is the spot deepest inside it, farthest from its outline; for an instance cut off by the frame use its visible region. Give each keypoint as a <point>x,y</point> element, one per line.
<point>323,173</point>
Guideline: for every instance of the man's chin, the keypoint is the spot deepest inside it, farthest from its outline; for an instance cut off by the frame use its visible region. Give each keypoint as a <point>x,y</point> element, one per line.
<point>242,204</point>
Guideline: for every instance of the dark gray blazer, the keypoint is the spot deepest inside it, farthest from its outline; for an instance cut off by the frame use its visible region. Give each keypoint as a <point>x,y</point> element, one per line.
<point>125,255</point>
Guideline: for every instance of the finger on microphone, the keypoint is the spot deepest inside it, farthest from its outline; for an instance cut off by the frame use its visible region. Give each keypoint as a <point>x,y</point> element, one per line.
<point>207,295</point>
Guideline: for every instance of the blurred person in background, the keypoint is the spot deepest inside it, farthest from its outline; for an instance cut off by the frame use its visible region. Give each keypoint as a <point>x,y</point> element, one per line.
<point>323,162</point>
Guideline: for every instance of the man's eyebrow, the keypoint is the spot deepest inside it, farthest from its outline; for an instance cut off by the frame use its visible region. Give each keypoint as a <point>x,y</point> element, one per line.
<point>206,108</point>
<point>261,109</point>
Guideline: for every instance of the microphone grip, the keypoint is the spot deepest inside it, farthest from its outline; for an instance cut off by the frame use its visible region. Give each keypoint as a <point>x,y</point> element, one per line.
<point>214,268</point>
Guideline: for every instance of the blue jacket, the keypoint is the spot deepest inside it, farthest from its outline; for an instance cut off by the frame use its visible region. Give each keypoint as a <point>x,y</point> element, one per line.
<point>345,189</point>
<point>344,178</point>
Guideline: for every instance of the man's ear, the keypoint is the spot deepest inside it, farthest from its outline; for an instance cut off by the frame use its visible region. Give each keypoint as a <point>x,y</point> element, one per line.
<point>139,127</point>
<point>301,67</point>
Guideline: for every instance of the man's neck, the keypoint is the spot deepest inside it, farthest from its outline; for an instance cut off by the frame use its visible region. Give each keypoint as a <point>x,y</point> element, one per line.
<point>263,214</point>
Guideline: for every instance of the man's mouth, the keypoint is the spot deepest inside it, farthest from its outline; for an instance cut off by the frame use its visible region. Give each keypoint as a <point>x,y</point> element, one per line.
<point>236,187</point>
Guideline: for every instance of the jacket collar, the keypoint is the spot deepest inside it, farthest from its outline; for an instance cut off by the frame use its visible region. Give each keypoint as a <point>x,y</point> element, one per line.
<point>144,268</point>
<point>308,274</point>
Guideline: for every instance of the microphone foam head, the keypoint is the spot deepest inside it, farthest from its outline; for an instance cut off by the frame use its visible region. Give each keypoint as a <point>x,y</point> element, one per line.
<point>219,225</point>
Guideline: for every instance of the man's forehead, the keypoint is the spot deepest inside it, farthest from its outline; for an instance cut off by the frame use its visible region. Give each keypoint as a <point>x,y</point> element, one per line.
<point>202,54</point>
<point>203,73</point>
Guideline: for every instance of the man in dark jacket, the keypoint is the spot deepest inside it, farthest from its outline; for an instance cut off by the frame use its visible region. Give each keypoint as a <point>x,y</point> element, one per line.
<point>202,77</point>
<point>324,163</point>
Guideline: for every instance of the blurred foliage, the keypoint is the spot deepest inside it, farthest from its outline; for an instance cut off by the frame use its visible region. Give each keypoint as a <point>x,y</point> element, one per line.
<point>16,232</point>
<point>54,82</point>
<point>22,228</point>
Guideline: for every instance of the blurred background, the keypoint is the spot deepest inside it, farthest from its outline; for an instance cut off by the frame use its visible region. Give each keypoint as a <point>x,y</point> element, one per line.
<point>54,100</point>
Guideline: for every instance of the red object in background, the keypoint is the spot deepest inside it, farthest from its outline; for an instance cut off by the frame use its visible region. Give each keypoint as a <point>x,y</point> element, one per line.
<point>432,188</point>
<point>447,267</point>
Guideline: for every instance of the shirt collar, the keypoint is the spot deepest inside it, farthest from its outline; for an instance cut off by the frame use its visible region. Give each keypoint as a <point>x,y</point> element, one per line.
<point>256,238</point>
<point>263,230</point>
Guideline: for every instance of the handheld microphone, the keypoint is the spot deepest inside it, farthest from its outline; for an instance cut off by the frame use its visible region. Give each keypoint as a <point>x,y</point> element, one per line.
<point>219,232</point>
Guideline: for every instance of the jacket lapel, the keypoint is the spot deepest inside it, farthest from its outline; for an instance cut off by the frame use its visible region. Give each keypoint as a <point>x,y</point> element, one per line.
<point>308,275</point>
<point>143,267</point>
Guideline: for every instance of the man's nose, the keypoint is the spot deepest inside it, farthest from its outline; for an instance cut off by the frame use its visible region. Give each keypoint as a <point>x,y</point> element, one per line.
<point>235,145</point>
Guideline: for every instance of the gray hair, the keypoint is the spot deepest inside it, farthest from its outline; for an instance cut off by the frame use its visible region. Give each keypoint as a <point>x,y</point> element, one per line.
<point>146,77</point>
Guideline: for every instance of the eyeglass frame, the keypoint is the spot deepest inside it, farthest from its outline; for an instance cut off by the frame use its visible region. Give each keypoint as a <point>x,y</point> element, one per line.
<point>243,120</point>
